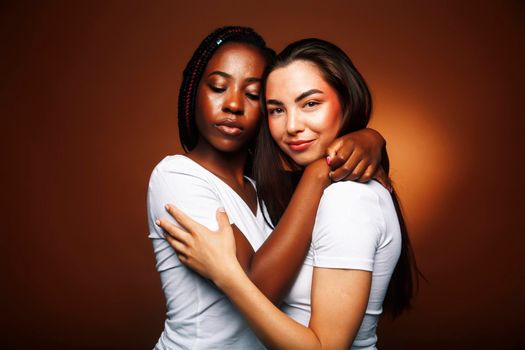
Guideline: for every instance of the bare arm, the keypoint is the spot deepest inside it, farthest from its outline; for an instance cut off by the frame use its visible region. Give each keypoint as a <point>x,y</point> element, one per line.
<point>354,156</point>
<point>286,247</point>
<point>339,297</point>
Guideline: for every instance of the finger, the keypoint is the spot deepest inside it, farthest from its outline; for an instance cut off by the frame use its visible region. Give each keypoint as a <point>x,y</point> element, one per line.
<point>347,168</point>
<point>183,259</point>
<point>179,247</point>
<point>174,231</point>
<point>367,175</point>
<point>383,179</point>
<point>359,170</point>
<point>184,220</point>
<point>222,218</point>
<point>331,151</point>
<point>344,155</point>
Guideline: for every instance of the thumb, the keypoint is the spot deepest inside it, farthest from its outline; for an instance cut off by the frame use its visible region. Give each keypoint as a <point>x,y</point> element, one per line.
<point>331,151</point>
<point>222,218</point>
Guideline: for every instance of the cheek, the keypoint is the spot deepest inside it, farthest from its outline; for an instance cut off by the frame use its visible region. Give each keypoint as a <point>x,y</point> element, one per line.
<point>330,123</point>
<point>276,127</point>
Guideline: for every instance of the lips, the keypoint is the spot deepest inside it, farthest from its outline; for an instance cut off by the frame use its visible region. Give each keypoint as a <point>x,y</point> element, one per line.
<point>299,145</point>
<point>229,127</point>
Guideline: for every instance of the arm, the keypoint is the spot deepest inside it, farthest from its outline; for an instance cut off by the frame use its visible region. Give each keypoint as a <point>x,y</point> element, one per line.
<point>286,247</point>
<point>339,297</point>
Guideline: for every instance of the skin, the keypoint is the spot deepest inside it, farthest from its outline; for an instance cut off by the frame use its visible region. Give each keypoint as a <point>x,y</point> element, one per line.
<point>339,296</point>
<point>227,115</point>
<point>302,122</point>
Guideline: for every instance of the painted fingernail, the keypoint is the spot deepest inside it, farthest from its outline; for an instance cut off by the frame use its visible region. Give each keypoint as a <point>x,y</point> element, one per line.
<point>328,160</point>
<point>157,222</point>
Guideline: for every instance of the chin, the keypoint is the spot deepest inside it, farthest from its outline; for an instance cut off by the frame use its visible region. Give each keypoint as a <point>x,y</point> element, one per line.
<point>230,147</point>
<point>304,159</point>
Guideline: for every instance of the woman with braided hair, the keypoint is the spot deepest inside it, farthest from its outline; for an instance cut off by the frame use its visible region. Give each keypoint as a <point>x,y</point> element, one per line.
<point>219,115</point>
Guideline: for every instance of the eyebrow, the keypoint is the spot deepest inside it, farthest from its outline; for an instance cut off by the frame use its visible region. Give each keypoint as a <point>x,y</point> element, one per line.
<point>222,74</point>
<point>306,94</point>
<point>228,76</point>
<point>297,99</point>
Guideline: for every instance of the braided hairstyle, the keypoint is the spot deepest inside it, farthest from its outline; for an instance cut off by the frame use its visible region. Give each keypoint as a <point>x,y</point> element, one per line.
<point>192,74</point>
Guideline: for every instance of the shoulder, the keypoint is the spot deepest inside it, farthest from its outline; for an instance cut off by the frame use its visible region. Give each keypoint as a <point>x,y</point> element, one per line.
<point>177,164</point>
<point>353,195</point>
<point>178,170</point>
<point>180,181</point>
<point>181,177</point>
<point>351,209</point>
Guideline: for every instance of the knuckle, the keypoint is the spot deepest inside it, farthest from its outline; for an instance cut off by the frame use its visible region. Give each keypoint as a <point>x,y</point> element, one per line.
<point>364,178</point>
<point>346,168</point>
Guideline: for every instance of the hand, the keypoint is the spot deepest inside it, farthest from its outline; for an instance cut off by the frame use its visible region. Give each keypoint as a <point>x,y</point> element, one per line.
<point>320,171</point>
<point>357,157</point>
<point>209,253</point>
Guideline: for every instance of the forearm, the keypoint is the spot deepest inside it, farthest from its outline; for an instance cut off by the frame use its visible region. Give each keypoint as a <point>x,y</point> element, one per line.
<point>286,248</point>
<point>274,328</point>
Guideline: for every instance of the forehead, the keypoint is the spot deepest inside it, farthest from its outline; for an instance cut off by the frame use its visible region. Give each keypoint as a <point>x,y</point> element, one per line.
<point>237,58</point>
<point>296,78</point>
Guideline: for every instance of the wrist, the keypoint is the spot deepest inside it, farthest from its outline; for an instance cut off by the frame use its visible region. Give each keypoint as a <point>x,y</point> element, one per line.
<point>318,172</point>
<point>229,274</point>
<point>377,136</point>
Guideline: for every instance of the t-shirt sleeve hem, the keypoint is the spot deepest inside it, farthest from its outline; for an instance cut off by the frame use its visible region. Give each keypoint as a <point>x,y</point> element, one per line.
<point>344,263</point>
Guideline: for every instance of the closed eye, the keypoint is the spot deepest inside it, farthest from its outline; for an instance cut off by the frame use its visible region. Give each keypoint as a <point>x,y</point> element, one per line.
<point>253,97</point>
<point>217,89</point>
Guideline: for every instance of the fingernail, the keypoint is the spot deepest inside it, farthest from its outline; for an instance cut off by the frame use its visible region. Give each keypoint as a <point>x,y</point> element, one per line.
<point>157,222</point>
<point>221,210</point>
<point>328,160</point>
<point>167,206</point>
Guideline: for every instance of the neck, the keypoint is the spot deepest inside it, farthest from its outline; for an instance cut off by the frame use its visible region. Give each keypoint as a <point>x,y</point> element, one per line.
<point>228,166</point>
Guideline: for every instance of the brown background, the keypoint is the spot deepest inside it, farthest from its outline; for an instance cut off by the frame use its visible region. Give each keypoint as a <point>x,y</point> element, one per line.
<point>88,104</point>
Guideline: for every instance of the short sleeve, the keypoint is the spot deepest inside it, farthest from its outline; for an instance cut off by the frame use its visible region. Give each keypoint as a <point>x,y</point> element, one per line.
<point>348,226</point>
<point>171,182</point>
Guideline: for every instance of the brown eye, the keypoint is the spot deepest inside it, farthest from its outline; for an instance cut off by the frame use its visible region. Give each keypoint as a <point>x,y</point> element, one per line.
<point>275,111</point>
<point>311,104</point>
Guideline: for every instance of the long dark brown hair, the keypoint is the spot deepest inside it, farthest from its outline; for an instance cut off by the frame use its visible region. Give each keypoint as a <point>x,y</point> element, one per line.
<point>277,175</point>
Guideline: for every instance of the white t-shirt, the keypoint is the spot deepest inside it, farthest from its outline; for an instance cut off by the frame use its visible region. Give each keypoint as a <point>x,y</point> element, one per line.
<point>199,316</point>
<point>356,228</point>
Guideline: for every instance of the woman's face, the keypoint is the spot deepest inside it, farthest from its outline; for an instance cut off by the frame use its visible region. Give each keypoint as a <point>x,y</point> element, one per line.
<point>227,107</point>
<point>304,112</point>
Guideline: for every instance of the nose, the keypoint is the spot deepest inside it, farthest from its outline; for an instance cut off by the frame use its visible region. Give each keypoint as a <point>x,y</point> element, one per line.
<point>234,103</point>
<point>294,123</point>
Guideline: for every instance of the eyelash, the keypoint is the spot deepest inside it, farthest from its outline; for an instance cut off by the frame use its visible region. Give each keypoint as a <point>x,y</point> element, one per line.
<point>275,111</point>
<point>253,97</point>
<point>311,104</point>
<point>217,89</point>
